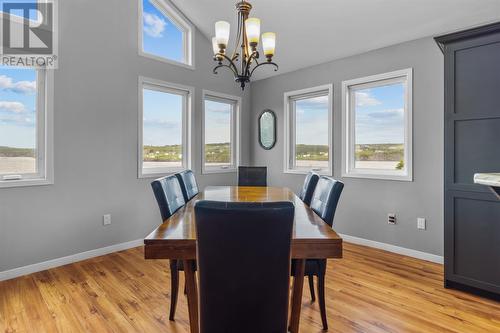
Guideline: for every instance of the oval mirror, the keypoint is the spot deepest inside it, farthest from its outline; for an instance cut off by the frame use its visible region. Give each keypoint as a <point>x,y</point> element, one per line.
<point>267,129</point>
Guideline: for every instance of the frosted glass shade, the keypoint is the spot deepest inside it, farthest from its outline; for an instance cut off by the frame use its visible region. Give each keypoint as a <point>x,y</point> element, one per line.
<point>252,26</point>
<point>269,43</point>
<point>222,32</point>
<point>215,46</point>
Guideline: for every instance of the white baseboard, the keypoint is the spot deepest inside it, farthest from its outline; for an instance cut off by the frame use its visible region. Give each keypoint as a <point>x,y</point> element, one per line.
<point>41,266</point>
<point>393,248</point>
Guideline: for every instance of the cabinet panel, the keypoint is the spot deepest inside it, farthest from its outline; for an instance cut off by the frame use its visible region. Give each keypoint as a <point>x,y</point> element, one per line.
<point>477,80</point>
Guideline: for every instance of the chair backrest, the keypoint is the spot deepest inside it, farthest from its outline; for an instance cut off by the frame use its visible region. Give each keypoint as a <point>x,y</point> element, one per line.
<point>188,183</point>
<point>326,197</point>
<point>252,176</point>
<point>243,265</point>
<point>308,188</point>
<point>168,194</point>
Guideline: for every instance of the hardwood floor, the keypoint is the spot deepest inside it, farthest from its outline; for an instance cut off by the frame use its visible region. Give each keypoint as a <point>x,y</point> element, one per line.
<point>367,291</point>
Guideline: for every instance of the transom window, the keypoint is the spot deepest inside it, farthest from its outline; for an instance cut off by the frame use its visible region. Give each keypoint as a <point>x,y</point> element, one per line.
<point>164,33</point>
<point>377,129</point>
<point>25,127</point>
<point>308,130</point>
<point>220,132</point>
<point>164,118</point>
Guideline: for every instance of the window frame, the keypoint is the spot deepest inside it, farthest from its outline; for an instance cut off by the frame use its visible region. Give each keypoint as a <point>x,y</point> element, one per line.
<point>235,131</point>
<point>290,128</point>
<point>171,88</point>
<point>181,22</point>
<point>44,135</point>
<point>404,76</point>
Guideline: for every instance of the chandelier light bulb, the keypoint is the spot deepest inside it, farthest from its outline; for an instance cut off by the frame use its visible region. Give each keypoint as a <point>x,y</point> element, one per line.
<point>222,33</point>
<point>269,43</point>
<point>252,26</point>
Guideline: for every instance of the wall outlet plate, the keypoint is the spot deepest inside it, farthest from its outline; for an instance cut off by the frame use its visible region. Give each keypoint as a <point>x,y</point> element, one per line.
<point>106,219</point>
<point>391,218</point>
<point>421,223</point>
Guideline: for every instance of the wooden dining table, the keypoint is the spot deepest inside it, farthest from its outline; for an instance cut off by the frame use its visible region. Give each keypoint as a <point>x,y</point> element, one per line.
<point>175,238</point>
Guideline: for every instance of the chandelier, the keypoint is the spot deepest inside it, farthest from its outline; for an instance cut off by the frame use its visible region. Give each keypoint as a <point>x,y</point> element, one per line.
<point>247,40</point>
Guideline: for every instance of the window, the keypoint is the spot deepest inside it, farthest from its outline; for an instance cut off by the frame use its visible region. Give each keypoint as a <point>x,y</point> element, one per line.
<point>164,127</point>
<point>25,127</point>
<point>164,33</point>
<point>378,126</point>
<point>220,132</point>
<point>308,130</point>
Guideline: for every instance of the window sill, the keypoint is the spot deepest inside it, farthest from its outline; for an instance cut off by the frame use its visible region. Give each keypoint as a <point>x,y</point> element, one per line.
<point>159,173</point>
<point>212,171</point>
<point>304,172</point>
<point>403,178</point>
<point>167,61</point>
<point>25,182</point>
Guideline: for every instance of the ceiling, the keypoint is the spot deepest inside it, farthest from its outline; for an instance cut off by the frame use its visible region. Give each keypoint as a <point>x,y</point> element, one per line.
<point>311,32</point>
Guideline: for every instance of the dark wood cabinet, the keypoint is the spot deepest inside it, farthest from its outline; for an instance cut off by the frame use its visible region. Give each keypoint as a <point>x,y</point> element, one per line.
<point>472,145</point>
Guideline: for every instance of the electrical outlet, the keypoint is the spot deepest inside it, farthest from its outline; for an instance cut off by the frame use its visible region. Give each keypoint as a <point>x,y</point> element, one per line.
<point>106,219</point>
<point>421,223</point>
<point>391,218</point>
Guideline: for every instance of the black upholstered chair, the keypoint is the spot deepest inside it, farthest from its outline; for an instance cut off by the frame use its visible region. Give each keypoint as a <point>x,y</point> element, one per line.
<point>308,188</point>
<point>170,198</point>
<point>324,203</point>
<point>168,194</point>
<point>249,292</point>
<point>188,184</point>
<point>252,176</point>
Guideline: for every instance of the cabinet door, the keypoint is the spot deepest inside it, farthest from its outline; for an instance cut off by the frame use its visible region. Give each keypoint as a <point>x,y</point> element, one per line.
<point>472,145</point>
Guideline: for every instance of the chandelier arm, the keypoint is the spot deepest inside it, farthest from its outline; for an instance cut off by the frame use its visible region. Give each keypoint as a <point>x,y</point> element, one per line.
<point>253,57</point>
<point>224,65</point>
<point>276,67</point>
<point>231,62</point>
<point>238,37</point>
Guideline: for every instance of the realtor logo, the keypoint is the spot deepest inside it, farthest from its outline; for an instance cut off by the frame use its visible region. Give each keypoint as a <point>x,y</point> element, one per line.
<point>29,34</point>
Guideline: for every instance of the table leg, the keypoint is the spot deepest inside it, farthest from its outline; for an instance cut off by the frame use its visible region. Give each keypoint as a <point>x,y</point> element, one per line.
<point>192,295</point>
<point>298,284</point>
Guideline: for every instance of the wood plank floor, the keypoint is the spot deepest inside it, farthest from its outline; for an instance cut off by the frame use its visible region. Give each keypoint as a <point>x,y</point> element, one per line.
<point>367,291</point>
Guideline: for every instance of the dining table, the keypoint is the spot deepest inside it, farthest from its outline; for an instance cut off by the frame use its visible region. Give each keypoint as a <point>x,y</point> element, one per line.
<point>175,238</point>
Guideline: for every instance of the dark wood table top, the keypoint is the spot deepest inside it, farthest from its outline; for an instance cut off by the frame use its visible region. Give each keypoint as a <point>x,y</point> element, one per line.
<point>176,237</point>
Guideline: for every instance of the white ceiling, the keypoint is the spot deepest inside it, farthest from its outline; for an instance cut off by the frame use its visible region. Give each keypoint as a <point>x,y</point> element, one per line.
<point>315,31</point>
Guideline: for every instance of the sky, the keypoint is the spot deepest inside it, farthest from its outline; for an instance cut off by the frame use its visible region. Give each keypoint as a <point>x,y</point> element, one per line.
<point>379,114</point>
<point>217,122</point>
<point>312,121</point>
<point>162,118</point>
<point>17,107</point>
<point>160,36</point>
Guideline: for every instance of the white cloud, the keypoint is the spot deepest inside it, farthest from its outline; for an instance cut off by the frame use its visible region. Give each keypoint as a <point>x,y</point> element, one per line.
<point>365,99</point>
<point>16,119</point>
<point>15,107</point>
<point>154,26</point>
<point>21,87</point>
<point>385,114</point>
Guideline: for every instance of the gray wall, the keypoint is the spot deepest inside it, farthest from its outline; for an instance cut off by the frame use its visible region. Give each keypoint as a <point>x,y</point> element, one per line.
<point>363,209</point>
<point>96,139</point>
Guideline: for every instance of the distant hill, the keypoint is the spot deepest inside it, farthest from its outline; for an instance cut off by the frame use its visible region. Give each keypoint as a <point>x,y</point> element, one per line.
<point>16,152</point>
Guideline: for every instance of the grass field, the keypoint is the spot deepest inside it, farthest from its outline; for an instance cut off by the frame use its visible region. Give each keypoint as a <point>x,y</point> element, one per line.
<point>384,156</point>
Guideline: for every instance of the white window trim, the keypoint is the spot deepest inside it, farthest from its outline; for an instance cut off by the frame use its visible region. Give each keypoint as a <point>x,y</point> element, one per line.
<point>290,127</point>
<point>181,22</point>
<point>348,170</point>
<point>187,120</point>
<point>235,135</point>
<point>45,135</point>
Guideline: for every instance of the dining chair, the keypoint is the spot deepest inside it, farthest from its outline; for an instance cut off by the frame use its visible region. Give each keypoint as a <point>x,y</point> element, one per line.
<point>188,184</point>
<point>170,198</point>
<point>307,190</point>
<point>252,176</point>
<point>243,254</point>
<point>324,203</point>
